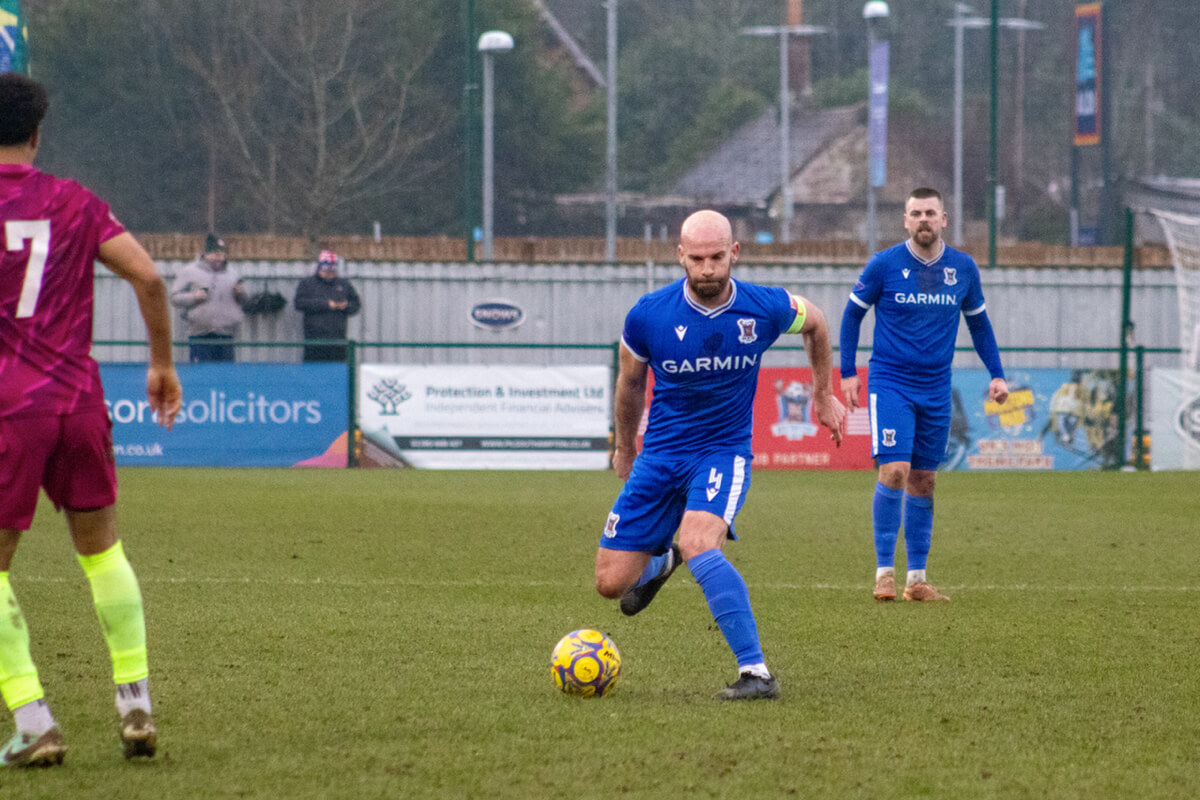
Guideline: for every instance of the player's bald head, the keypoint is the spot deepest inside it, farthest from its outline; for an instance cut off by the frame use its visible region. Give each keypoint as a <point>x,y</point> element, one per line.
<point>707,252</point>
<point>706,226</point>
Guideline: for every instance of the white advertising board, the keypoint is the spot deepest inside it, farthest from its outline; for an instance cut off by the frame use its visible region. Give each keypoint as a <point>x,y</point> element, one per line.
<point>488,417</point>
<point>1174,419</point>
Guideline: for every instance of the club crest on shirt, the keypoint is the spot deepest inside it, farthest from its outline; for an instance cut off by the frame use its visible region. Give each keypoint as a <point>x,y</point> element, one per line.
<point>951,275</point>
<point>889,437</point>
<point>746,332</point>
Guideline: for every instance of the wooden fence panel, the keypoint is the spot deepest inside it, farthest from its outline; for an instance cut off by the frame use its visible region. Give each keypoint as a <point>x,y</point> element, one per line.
<point>567,250</point>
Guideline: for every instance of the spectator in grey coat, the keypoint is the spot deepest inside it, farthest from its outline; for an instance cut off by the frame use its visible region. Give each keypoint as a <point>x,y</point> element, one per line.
<point>211,295</point>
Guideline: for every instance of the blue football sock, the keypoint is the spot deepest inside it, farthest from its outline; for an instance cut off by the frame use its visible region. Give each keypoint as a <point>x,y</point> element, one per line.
<point>729,601</point>
<point>886,508</point>
<point>653,569</point>
<point>918,529</point>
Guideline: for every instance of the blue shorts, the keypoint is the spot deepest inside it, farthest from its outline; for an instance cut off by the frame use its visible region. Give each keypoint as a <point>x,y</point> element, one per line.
<point>648,511</point>
<point>909,425</point>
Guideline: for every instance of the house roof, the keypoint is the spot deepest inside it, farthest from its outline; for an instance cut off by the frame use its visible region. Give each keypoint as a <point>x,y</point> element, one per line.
<point>840,172</point>
<point>744,169</point>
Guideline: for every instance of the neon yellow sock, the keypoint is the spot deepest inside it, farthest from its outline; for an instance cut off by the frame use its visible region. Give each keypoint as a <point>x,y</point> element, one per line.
<point>118,602</point>
<point>18,676</point>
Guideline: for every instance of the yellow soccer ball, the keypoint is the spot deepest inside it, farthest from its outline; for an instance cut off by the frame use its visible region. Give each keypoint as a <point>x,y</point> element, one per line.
<point>585,663</point>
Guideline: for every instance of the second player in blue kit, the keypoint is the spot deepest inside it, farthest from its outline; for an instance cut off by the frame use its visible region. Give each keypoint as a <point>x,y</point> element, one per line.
<point>919,289</point>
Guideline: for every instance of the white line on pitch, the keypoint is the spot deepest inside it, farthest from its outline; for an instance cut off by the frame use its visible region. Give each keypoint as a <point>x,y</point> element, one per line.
<point>414,582</point>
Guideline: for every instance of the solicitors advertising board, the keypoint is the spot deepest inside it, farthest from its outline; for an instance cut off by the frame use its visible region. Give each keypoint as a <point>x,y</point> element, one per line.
<point>234,415</point>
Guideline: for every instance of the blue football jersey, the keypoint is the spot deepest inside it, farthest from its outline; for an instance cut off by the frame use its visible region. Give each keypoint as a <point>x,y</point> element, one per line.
<point>917,308</point>
<point>705,363</point>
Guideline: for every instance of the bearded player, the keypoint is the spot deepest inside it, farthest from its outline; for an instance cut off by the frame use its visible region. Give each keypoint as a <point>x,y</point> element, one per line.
<point>919,289</point>
<point>704,337</point>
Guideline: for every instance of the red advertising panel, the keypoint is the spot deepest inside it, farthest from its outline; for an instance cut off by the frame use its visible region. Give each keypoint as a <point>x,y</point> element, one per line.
<point>787,435</point>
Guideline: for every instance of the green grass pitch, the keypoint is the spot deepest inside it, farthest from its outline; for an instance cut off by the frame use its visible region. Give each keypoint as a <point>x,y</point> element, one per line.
<point>387,634</point>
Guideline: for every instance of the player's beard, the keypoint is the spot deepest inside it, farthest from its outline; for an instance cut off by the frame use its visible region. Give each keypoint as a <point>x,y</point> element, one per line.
<point>925,237</point>
<point>707,290</point>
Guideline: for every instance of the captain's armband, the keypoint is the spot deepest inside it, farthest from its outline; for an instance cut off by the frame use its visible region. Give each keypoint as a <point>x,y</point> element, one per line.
<point>801,314</point>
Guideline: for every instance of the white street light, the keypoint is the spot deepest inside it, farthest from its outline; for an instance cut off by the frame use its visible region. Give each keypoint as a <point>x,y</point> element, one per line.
<point>874,12</point>
<point>610,146</point>
<point>490,43</point>
<point>960,23</point>
<point>785,113</point>
<point>875,9</point>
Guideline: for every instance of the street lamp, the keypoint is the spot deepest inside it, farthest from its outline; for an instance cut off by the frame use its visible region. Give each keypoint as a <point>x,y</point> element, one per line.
<point>785,112</point>
<point>877,98</point>
<point>468,125</point>
<point>610,148</point>
<point>490,43</point>
<point>960,23</point>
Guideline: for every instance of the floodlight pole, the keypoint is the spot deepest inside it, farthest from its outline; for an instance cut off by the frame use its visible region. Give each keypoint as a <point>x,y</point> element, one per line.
<point>956,226</point>
<point>610,172</point>
<point>785,115</point>
<point>960,23</point>
<point>877,78</point>
<point>785,139</point>
<point>490,43</point>
<point>468,124</point>
<point>993,147</point>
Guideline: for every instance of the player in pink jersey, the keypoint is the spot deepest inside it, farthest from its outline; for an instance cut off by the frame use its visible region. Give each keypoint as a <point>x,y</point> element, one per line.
<point>55,433</point>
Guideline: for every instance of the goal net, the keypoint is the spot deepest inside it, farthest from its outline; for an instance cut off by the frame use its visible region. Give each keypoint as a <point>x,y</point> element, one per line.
<point>1183,239</point>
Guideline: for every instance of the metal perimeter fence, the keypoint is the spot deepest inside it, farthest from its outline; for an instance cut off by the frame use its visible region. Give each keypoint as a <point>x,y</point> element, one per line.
<point>475,353</point>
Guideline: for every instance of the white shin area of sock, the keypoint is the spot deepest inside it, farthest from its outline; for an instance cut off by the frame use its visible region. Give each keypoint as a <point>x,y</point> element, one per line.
<point>758,670</point>
<point>133,695</point>
<point>34,717</point>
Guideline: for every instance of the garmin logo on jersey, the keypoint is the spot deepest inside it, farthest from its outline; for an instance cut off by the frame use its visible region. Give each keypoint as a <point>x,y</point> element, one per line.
<point>923,299</point>
<point>705,364</point>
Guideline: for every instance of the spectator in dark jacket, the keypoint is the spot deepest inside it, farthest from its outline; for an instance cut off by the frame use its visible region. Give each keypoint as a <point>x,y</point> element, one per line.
<point>326,301</point>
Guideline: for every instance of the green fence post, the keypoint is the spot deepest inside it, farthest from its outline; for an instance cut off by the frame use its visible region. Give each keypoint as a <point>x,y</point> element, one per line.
<point>1126,329</point>
<point>612,425</point>
<point>1139,431</point>
<point>352,404</point>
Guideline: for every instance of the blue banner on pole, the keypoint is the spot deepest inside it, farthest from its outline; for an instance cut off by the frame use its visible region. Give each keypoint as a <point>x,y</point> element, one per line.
<point>1087,74</point>
<point>877,113</point>
<point>234,415</point>
<point>14,38</point>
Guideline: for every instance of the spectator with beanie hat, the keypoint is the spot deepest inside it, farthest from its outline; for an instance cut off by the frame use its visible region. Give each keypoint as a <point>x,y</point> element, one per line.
<point>327,302</point>
<point>211,294</point>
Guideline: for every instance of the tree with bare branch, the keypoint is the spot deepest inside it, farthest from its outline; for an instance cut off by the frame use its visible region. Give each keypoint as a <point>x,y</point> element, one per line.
<point>313,106</point>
